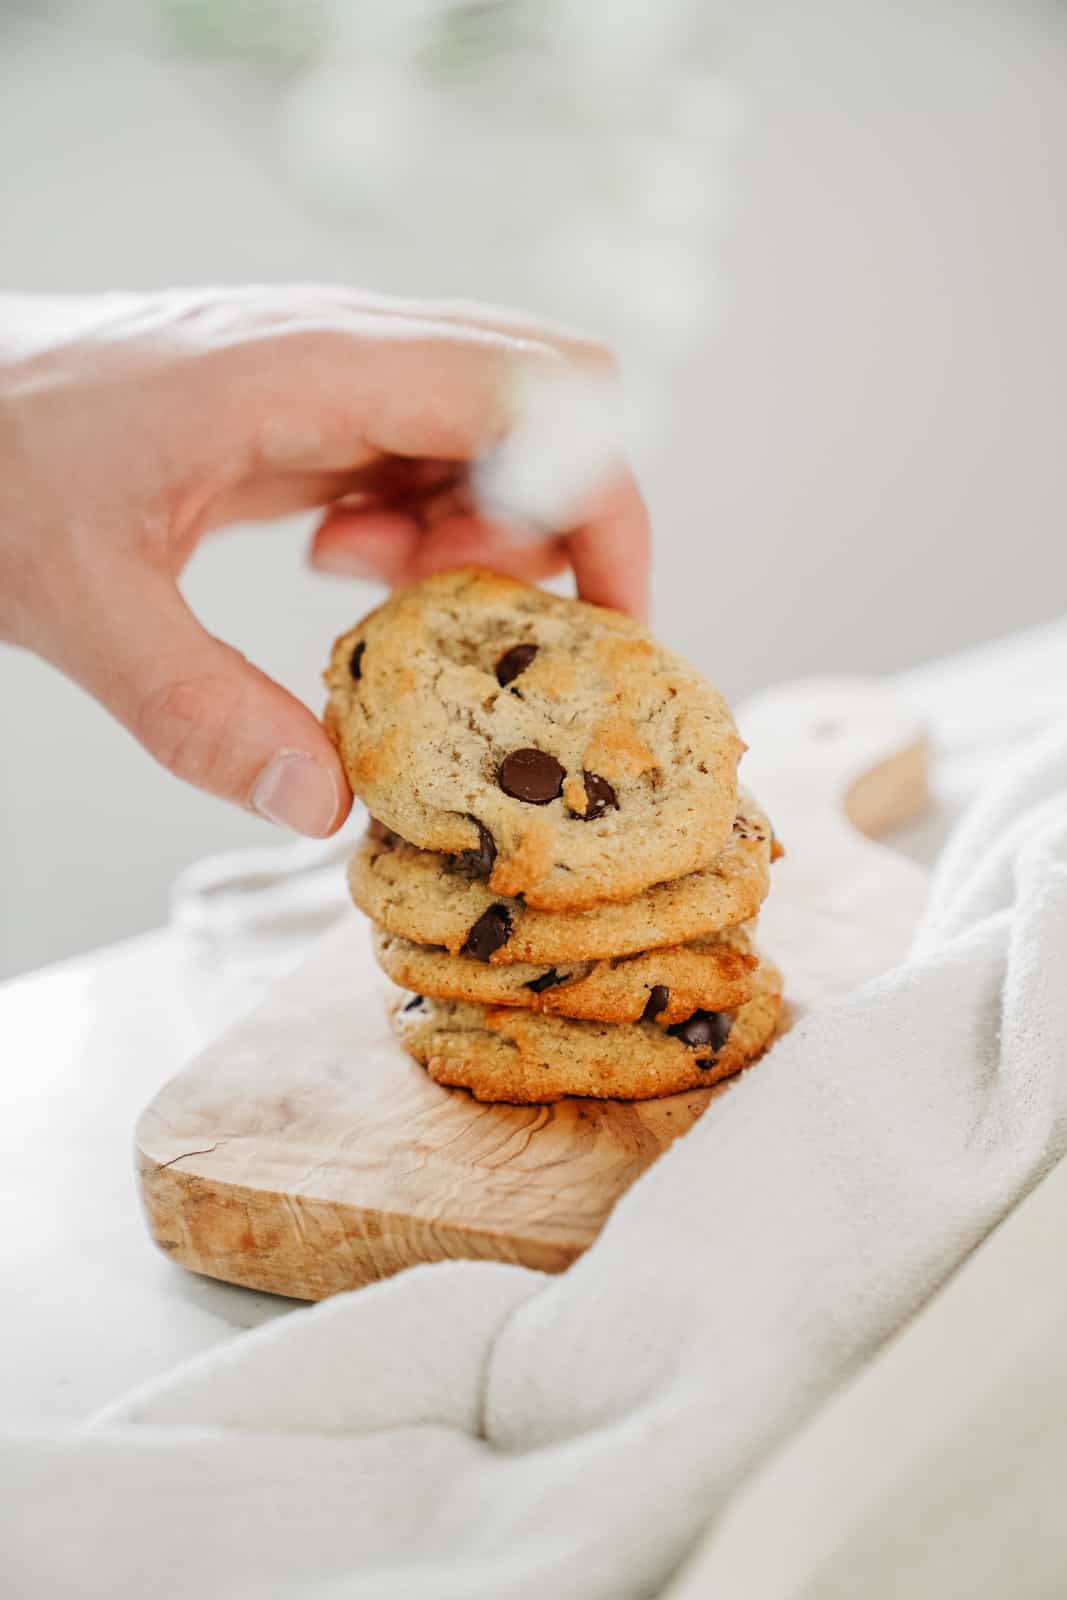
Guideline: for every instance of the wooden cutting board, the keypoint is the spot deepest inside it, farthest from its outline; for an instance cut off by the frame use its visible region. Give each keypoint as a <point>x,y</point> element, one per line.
<point>304,1153</point>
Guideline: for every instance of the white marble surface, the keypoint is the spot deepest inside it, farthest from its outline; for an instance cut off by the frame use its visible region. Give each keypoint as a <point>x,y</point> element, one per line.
<point>90,1307</point>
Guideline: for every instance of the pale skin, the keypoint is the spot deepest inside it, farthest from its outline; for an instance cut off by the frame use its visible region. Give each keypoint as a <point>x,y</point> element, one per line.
<point>133,425</point>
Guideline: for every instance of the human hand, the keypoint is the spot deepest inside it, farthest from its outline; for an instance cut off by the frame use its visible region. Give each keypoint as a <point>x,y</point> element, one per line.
<point>131,425</point>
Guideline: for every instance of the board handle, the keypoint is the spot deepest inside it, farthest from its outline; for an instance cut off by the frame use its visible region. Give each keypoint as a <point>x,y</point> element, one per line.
<point>837,762</point>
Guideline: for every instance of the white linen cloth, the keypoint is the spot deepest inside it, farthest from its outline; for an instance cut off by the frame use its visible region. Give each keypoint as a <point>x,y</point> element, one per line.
<point>939,1472</point>
<point>478,1430</point>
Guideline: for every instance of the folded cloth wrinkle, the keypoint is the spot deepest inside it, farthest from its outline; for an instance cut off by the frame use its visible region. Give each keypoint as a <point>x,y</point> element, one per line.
<point>1007,820</point>
<point>483,1431</point>
<point>323,1394</point>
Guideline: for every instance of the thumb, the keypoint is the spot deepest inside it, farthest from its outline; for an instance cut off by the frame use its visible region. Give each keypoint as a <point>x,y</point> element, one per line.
<point>204,712</point>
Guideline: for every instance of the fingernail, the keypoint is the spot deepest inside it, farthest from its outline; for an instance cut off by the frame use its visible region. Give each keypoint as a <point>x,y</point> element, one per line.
<point>338,558</point>
<point>294,791</point>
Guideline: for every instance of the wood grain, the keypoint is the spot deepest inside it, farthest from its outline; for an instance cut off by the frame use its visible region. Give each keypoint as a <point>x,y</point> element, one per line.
<point>305,1154</point>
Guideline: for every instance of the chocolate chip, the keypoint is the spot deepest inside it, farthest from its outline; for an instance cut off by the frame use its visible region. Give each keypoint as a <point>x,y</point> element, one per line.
<point>355,666</point>
<point>492,929</point>
<point>414,1002</point>
<point>599,797</point>
<point>477,863</point>
<point>702,1028</point>
<point>547,980</point>
<point>531,775</point>
<point>514,661</point>
<point>658,1001</point>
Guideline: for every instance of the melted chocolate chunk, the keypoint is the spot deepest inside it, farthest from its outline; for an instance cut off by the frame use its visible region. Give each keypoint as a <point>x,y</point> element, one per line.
<point>658,1001</point>
<point>477,863</point>
<point>704,1028</point>
<point>513,662</point>
<point>531,775</point>
<point>355,665</point>
<point>492,929</point>
<point>414,1002</point>
<point>547,980</point>
<point>599,797</point>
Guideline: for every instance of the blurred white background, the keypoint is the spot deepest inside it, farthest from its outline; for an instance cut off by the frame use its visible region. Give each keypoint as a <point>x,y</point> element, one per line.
<point>861,463</point>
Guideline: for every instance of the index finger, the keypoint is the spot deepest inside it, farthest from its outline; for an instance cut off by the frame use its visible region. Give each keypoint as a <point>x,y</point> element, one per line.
<point>331,395</point>
<point>342,300</point>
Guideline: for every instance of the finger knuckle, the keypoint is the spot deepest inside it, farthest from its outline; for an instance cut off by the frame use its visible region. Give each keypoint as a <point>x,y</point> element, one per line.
<point>187,724</point>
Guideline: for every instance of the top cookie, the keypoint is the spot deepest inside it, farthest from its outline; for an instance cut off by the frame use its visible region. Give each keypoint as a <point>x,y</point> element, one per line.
<point>565,753</point>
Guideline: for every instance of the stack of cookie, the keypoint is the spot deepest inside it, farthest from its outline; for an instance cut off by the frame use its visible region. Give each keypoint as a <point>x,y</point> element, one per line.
<point>562,873</point>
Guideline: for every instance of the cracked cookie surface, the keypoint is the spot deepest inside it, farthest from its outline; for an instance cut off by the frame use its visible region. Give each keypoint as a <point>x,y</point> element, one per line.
<point>500,1053</point>
<point>556,746</point>
<point>431,899</point>
<point>666,986</point>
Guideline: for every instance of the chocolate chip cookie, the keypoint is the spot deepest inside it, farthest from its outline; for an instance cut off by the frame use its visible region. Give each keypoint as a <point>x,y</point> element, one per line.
<point>664,986</point>
<point>555,747</point>
<point>434,899</point>
<point>500,1053</point>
